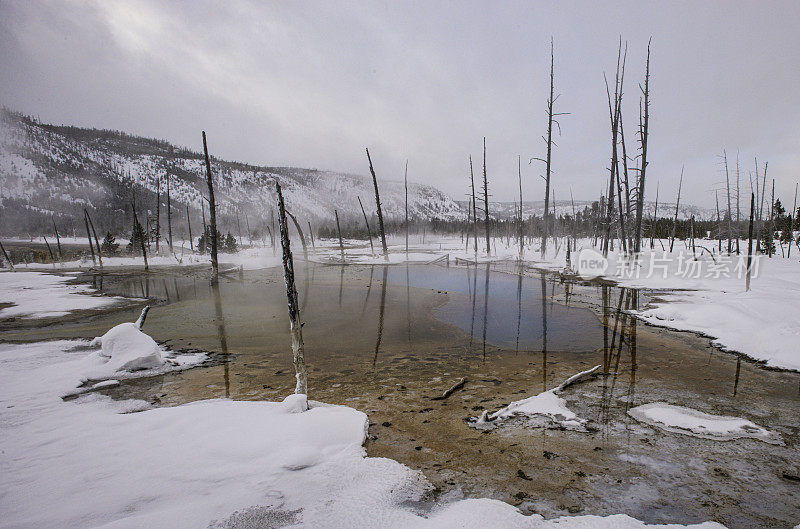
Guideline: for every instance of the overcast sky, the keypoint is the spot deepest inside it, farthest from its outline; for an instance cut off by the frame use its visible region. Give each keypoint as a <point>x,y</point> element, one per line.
<point>311,84</point>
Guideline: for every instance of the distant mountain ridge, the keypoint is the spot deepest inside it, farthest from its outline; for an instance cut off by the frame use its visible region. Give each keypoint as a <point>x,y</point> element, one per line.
<point>50,170</point>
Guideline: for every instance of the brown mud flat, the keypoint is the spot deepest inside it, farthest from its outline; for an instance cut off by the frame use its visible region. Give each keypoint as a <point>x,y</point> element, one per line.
<point>387,348</point>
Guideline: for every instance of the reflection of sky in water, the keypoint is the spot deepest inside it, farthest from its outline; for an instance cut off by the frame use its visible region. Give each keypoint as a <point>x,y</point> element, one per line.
<point>513,308</point>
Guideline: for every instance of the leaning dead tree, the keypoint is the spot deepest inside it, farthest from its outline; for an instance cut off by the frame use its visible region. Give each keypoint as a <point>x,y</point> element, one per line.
<point>295,326</point>
<point>212,210</point>
<point>339,232</point>
<point>89,235</point>
<point>644,122</point>
<point>378,203</point>
<point>369,232</point>
<point>96,241</point>
<point>8,259</point>
<point>474,206</point>
<point>300,233</point>
<point>58,239</point>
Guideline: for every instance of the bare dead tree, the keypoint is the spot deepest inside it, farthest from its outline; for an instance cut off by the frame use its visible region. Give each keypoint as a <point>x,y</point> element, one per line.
<point>89,235</point>
<point>486,200</point>
<point>300,233</point>
<point>169,216</point>
<point>339,231</point>
<point>655,219</point>
<point>189,224</point>
<point>96,241</point>
<point>792,222</point>
<point>677,205</point>
<point>728,191</point>
<point>519,178</point>
<point>749,243</point>
<point>8,259</point>
<point>738,208</point>
<point>613,111</point>
<point>474,206</point>
<point>58,239</point>
<point>549,142</point>
<point>295,326</point>
<point>49,249</point>
<point>212,209</point>
<point>310,233</point>
<point>158,214</point>
<point>405,184</point>
<point>643,137</point>
<point>378,204</point>
<point>369,232</point>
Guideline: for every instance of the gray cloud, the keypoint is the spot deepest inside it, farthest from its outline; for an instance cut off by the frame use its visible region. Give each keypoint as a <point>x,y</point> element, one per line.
<point>312,83</point>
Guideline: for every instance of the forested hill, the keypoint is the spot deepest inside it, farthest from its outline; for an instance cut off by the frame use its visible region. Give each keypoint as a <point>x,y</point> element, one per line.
<point>49,171</point>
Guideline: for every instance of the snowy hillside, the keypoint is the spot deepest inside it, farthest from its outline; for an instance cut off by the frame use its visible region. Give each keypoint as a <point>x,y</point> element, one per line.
<point>47,169</point>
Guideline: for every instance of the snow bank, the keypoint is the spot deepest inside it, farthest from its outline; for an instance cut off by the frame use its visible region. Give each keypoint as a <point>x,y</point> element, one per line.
<point>39,295</point>
<point>93,463</point>
<point>545,410</point>
<point>126,348</point>
<point>687,421</point>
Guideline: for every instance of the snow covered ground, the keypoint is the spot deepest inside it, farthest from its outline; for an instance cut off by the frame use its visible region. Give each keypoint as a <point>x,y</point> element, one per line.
<point>38,295</point>
<point>94,462</point>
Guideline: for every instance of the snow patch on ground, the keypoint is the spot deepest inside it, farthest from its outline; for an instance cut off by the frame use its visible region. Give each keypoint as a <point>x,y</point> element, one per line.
<point>39,295</point>
<point>696,423</point>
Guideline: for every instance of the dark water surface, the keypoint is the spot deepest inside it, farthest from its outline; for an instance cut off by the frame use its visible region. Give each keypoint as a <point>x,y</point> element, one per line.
<point>386,340</point>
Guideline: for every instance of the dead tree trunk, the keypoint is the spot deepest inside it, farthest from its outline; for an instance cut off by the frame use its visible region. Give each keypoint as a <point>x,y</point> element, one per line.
<point>378,204</point>
<point>728,190</point>
<point>300,233</point>
<point>738,208</point>
<point>405,183</point>
<point>614,117</point>
<point>212,209</point>
<point>169,217</point>
<point>295,326</point>
<point>677,205</point>
<point>655,219</point>
<point>96,241</point>
<point>369,232</point>
<point>474,206</point>
<point>791,223</point>
<point>643,134</point>
<point>770,242</point>
<point>486,199</point>
<point>521,235</point>
<point>89,235</point>
<point>310,233</point>
<point>339,232</point>
<point>158,215</point>
<point>58,239</point>
<point>8,259</point>
<point>49,250</point>
<point>750,243</point>
<point>189,224</point>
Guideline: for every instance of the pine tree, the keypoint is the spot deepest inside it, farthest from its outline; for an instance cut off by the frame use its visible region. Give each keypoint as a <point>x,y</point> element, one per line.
<point>135,243</point>
<point>110,246</point>
<point>230,243</point>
